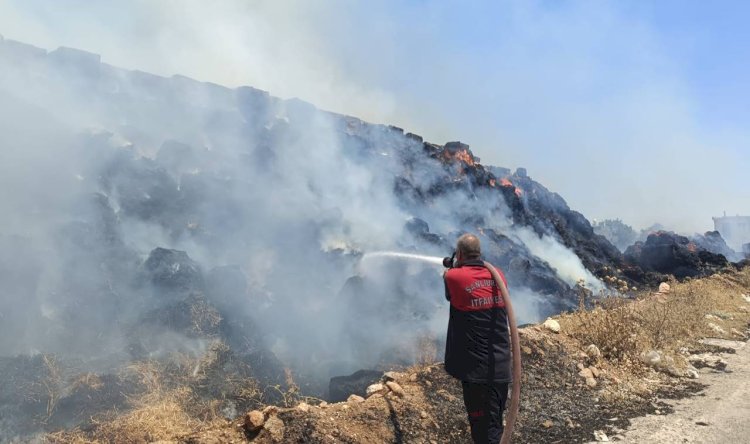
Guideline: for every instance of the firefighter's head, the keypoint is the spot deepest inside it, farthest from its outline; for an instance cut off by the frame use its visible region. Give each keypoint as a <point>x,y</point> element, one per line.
<point>468,248</point>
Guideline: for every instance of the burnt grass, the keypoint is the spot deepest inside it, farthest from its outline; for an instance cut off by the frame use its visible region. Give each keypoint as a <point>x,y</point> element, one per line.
<point>558,407</point>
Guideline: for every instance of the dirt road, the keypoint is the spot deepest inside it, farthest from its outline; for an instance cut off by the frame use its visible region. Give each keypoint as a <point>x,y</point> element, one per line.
<point>719,414</point>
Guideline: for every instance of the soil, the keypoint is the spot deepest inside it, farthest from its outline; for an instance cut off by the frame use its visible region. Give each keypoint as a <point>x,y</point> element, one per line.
<point>556,406</point>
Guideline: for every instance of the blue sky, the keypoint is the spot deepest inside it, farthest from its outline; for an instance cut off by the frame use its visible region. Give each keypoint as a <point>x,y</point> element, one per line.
<point>628,109</point>
<point>710,41</point>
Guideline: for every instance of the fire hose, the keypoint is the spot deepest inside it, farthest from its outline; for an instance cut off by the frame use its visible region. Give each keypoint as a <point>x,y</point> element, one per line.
<point>515,345</point>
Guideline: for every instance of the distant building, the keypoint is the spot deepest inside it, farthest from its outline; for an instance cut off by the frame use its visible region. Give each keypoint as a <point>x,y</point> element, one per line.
<point>734,229</point>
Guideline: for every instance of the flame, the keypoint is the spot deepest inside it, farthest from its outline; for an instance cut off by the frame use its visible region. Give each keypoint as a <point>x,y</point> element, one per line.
<point>459,156</point>
<point>506,183</point>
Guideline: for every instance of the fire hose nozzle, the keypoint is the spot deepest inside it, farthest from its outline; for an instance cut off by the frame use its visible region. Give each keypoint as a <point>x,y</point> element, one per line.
<point>448,262</point>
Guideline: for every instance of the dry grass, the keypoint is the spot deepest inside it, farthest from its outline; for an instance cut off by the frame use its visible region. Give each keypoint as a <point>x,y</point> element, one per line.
<point>170,406</point>
<point>623,329</point>
<point>51,383</point>
<point>155,416</point>
<point>671,324</point>
<point>205,318</point>
<point>86,381</point>
<point>609,326</point>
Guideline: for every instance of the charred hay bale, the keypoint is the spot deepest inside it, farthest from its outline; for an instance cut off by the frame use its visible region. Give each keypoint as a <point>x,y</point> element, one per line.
<point>617,232</point>
<point>194,317</point>
<point>144,189</point>
<point>173,271</point>
<point>181,326</point>
<point>87,395</point>
<point>93,239</point>
<point>227,286</point>
<point>524,270</point>
<point>208,210</point>
<point>712,242</point>
<point>96,272</point>
<point>421,230</point>
<point>237,380</point>
<point>45,392</point>
<point>28,394</point>
<point>20,272</point>
<point>670,253</point>
<point>177,157</point>
<point>340,387</point>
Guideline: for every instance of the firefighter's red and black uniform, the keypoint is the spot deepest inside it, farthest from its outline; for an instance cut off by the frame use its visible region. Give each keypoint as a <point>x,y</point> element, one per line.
<point>477,349</point>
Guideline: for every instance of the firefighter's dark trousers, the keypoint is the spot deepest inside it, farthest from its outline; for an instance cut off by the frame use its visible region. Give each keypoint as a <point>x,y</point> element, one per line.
<point>485,404</point>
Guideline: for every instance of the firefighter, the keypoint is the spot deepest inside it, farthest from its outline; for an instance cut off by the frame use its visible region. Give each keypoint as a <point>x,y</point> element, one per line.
<point>477,349</point>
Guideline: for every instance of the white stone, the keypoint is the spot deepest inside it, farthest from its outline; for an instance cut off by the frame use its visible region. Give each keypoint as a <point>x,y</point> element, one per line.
<point>395,388</point>
<point>552,325</point>
<point>275,427</point>
<point>374,388</point>
<point>254,420</point>
<point>392,376</point>
<point>592,351</point>
<point>651,358</point>
<point>708,360</point>
<point>726,343</point>
<point>664,288</point>
<point>600,436</point>
<point>716,329</point>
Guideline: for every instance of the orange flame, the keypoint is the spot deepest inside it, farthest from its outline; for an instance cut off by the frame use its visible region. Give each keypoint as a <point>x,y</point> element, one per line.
<point>460,156</point>
<point>465,157</point>
<point>506,183</point>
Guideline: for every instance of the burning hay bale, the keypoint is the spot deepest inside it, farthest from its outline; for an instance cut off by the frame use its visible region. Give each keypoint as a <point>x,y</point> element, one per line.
<point>255,189</point>
<point>669,253</point>
<point>713,242</point>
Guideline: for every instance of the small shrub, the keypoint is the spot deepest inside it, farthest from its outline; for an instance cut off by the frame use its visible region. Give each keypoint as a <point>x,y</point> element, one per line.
<point>667,323</point>
<point>611,326</point>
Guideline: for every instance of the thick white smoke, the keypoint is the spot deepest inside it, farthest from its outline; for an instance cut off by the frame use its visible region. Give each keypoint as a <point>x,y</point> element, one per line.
<point>274,203</point>
<point>618,130</point>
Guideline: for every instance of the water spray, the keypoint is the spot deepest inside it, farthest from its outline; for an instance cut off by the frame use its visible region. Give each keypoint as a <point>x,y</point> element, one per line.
<point>435,260</point>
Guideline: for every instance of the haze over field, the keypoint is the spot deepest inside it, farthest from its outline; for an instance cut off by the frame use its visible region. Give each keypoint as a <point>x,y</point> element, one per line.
<point>631,111</point>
